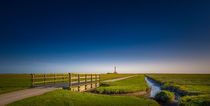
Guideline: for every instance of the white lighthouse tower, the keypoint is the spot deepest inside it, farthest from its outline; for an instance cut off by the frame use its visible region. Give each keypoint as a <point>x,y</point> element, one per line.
<point>115,70</point>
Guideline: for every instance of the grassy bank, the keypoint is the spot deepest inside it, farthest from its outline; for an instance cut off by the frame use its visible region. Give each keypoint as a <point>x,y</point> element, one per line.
<point>66,98</point>
<point>187,85</point>
<point>129,85</point>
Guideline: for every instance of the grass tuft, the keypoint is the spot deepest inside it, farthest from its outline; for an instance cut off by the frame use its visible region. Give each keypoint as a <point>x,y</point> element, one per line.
<point>164,96</point>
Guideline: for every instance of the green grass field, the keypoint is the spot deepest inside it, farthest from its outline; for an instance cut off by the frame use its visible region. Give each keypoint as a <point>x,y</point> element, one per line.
<point>68,98</point>
<point>129,85</point>
<point>187,84</point>
<point>14,82</point>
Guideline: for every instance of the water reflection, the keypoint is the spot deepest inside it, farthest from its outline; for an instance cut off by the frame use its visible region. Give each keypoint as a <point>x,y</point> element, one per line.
<point>155,88</point>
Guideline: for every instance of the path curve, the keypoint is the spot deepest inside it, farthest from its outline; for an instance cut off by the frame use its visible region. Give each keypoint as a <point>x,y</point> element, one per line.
<point>21,94</point>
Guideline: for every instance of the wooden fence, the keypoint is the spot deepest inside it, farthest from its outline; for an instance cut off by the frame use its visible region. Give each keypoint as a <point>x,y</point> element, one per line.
<point>76,81</point>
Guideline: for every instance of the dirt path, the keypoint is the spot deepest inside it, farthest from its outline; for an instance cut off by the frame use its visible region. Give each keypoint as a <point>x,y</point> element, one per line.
<point>18,95</point>
<point>117,79</point>
<point>21,94</point>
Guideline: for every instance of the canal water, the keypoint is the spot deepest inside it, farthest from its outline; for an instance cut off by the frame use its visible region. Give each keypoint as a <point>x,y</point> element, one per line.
<point>155,88</point>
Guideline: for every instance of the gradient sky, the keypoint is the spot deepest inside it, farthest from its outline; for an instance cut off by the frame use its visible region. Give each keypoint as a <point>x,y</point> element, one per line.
<point>140,36</point>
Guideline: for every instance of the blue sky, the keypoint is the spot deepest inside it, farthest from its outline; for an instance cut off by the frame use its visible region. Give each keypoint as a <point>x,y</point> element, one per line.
<point>93,36</point>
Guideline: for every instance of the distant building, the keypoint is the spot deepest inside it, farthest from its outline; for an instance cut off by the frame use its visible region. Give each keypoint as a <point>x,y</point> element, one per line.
<point>115,70</point>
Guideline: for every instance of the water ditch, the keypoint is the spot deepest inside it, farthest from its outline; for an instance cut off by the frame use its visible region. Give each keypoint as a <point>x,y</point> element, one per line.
<point>156,88</point>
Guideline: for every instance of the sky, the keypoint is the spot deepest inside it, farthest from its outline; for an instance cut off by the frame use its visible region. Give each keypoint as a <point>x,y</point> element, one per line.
<point>93,36</point>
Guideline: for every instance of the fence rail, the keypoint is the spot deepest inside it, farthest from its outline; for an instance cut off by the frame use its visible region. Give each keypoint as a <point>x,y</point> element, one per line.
<point>74,80</point>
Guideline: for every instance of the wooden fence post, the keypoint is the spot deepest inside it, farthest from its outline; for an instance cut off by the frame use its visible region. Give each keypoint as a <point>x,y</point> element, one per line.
<point>32,79</point>
<point>54,77</point>
<point>63,78</point>
<point>85,81</point>
<point>44,79</point>
<point>99,79</point>
<point>78,82</point>
<point>70,81</point>
<point>95,80</point>
<point>91,81</point>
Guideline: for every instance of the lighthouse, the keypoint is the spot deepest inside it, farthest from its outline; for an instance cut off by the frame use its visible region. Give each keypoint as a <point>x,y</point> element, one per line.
<point>115,70</point>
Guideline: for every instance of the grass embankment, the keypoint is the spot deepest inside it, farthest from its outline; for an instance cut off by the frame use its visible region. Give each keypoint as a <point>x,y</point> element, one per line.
<point>68,98</point>
<point>13,82</point>
<point>130,85</point>
<point>186,85</point>
<point>165,96</point>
